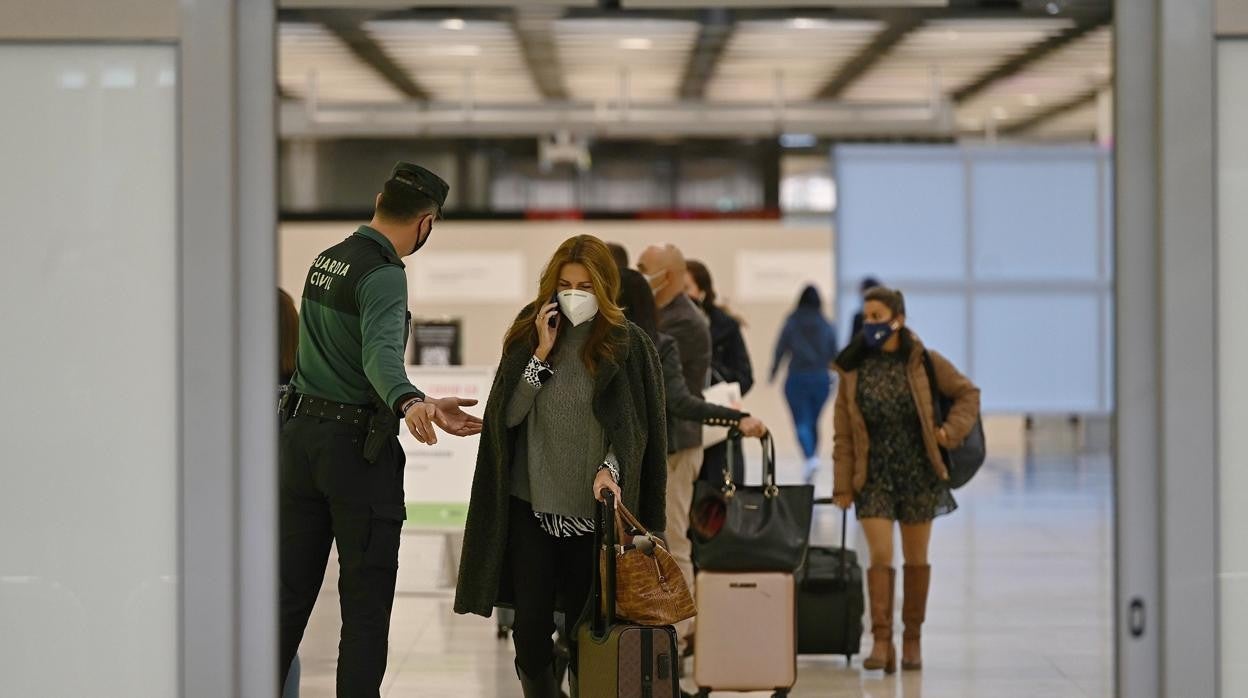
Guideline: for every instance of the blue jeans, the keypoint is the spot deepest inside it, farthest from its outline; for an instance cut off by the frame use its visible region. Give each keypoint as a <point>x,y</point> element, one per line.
<point>807,393</point>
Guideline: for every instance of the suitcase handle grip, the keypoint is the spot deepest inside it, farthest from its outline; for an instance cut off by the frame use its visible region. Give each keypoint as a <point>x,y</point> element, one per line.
<point>603,599</point>
<point>844,531</point>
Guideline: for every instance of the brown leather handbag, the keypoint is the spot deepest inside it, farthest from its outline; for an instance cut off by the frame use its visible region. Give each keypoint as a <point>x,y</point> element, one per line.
<point>650,589</point>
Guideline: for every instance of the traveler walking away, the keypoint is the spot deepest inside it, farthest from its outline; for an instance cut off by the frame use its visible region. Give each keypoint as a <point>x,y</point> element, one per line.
<point>888,462</point>
<point>730,362</point>
<point>637,301</point>
<point>679,317</point>
<point>808,341</point>
<point>868,283</point>
<point>576,406</point>
<point>341,464</point>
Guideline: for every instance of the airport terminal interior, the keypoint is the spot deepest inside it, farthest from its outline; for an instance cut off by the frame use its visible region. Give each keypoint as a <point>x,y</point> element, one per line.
<point>984,117</point>
<point>1057,187</point>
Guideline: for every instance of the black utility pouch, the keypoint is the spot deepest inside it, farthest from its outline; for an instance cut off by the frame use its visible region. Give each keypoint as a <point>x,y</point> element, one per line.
<point>382,426</point>
<point>286,400</point>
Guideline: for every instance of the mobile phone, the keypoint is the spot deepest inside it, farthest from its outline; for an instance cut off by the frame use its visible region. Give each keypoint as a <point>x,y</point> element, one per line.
<point>553,322</point>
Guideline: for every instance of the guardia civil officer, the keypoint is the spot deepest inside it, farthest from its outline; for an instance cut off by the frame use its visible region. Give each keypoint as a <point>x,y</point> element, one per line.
<point>341,462</point>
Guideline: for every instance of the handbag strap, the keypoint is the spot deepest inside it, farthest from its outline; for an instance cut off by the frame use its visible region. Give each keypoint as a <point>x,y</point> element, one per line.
<point>769,463</point>
<point>931,383</point>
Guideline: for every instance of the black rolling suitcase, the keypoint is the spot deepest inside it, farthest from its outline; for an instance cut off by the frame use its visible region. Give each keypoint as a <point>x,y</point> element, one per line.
<point>830,601</point>
<point>617,659</point>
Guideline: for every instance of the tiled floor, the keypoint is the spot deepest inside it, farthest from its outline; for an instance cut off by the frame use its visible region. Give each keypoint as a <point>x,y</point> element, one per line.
<point>1020,604</point>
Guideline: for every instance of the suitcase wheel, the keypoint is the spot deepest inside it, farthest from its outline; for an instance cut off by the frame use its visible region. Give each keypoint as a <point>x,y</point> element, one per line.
<point>704,693</point>
<point>503,632</point>
<point>780,694</point>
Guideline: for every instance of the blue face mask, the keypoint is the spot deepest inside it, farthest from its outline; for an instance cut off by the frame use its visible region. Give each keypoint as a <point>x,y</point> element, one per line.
<point>875,334</point>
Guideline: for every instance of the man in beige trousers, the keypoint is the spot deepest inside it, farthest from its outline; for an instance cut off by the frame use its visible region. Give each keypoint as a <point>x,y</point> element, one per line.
<point>680,317</point>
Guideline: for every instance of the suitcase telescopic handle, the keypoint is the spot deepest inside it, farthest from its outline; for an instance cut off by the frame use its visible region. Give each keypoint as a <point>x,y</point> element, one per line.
<point>604,588</point>
<point>844,534</point>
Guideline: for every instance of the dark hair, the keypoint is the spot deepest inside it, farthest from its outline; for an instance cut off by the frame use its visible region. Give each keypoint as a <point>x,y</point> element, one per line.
<point>287,335</point>
<point>702,277</point>
<point>637,301</point>
<point>890,297</point>
<point>619,253</point>
<point>810,299</point>
<point>869,283</point>
<point>400,203</point>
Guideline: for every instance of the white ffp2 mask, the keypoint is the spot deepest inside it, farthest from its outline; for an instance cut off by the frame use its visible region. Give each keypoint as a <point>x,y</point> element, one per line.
<point>578,306</point>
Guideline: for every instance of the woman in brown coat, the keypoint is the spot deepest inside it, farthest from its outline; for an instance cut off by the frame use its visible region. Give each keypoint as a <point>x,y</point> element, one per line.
<point>888,462</point>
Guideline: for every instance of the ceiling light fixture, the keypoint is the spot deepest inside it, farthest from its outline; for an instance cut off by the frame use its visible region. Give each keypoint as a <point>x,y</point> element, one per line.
<point>1031,100</point>
<point>636,43</point>
<point>803,23</point>
<point>453,24</point>
<point>1000,113</point>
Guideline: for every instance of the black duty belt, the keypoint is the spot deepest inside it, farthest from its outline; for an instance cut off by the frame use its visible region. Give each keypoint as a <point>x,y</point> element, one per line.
<point>358,415</point>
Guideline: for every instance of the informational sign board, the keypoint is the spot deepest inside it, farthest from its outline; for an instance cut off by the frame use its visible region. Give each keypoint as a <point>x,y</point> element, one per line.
<point>443,472</point>
<point>766,276</point>
<point>435,343</point>
<point>469,277</point>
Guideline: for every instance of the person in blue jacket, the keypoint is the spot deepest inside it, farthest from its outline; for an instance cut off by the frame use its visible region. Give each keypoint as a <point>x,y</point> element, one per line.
<point>808,341</point>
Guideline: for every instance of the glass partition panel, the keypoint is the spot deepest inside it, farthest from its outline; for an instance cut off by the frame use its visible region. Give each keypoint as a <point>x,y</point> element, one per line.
<point>89,505</point>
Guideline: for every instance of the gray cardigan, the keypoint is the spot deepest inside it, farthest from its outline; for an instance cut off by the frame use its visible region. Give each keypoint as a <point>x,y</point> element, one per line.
<point>692,331</point>
<point>681,404</point>
<point>566,444</point>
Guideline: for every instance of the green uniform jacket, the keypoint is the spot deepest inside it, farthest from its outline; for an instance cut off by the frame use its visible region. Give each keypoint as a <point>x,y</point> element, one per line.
<point>353,324</point>
<point>629,403</point>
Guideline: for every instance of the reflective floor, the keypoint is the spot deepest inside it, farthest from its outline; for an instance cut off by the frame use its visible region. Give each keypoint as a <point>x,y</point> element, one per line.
<point>1020,603</point>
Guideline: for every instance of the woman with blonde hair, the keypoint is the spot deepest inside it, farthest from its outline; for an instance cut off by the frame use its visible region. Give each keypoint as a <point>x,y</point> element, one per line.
<point>888,462</point>
<point>576,407</point>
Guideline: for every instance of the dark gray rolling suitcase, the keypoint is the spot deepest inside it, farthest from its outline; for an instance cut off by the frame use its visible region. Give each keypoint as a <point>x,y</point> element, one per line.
<point>620,659</point>
<point>830,601</point>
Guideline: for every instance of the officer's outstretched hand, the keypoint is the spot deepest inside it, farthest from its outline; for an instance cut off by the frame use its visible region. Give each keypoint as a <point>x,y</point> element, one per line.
<point>419,420</point>
<point>453,419</point>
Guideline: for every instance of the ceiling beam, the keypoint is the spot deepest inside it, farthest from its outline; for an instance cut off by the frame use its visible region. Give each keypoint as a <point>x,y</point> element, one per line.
<point>717,29</point>
<point>1017,64</point>
<point>1079,101</point>
<point>349,27</point>
<point>898,27</point>
<point>534,31</point>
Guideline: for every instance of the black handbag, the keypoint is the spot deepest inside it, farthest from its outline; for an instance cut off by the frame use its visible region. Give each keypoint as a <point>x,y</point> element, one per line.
<point>965,460</point>
<point>740,528</point>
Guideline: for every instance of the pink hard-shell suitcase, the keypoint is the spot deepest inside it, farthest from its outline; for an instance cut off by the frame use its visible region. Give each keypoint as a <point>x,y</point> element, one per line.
<point>747,632</point>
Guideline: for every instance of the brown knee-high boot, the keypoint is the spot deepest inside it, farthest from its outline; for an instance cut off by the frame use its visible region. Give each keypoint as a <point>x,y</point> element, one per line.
<point>881,587</point>
<point>917,580</point>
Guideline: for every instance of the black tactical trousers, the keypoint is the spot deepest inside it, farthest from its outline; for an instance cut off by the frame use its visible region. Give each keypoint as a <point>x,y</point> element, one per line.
<point>329,493</point>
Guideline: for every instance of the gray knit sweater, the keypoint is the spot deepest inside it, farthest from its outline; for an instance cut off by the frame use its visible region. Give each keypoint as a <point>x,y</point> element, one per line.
<point>565,443</point>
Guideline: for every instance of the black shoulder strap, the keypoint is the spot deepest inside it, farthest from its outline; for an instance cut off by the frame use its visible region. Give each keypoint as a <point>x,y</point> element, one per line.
<point>931,381</point>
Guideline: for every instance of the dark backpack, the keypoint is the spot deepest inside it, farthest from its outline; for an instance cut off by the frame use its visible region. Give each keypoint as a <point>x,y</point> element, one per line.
<point>965,460</point>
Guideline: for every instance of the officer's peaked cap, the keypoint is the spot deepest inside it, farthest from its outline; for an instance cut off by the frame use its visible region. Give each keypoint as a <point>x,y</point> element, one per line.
<point>421,180</point>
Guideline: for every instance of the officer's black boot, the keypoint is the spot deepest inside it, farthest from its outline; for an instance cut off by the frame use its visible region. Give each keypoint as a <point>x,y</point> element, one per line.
<point>540,686</point>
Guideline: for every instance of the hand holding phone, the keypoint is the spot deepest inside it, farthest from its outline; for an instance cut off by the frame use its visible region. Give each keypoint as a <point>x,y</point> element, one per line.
<point>547,329</point>
<point>554,319</point>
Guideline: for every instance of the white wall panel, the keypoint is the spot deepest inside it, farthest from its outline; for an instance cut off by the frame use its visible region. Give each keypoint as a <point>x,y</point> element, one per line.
<point>1004,255</point>
<point>88,294</point>
<point>1032,352</point>
<point>905,216</point>
<point>1232,334</point>
<point>1036,218</point>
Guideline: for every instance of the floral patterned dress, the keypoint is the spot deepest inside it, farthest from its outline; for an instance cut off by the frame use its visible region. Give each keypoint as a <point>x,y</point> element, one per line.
<point>901,484</point>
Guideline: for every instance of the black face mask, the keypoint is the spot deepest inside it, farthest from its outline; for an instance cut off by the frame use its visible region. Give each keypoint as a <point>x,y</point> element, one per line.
<point>421,242</point>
